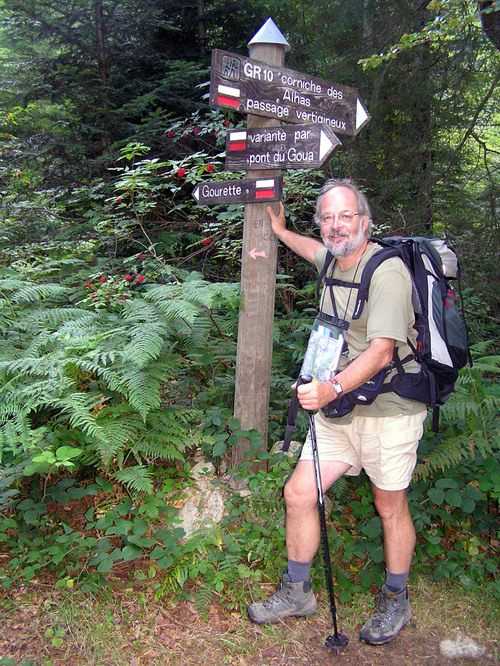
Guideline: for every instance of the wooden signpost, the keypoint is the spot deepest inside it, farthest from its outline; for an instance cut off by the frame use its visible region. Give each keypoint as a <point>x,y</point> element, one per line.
<point>268,93</point>
<point>250,86</point>
<point>286,147</point>
<point>238,191</point>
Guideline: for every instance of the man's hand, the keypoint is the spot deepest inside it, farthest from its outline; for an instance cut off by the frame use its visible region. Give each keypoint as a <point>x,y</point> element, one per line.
<point>304,246</point>
<point>278,222</point>
<point>315,394</point>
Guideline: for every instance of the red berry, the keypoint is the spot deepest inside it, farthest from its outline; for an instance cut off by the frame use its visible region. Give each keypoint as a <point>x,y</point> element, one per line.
<point>88,285</point>
<point>210,167</point>
<point>227,123</point>
<point>141,256</point>
<point>118,200</point>
<point>170,134</point>
<point>93,296</point>
<point>140,278</point>
<point>128,278</point>
<point>207,241</point>
<point>182,172</point>
<point>102,279</point>
<point>196,130</point>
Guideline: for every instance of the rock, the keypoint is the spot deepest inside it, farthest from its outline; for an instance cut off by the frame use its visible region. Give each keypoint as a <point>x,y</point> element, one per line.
<point>203,503</point>
<point>238,485</point>
<point>461,647</point>
<point>292,451</point>
<point>202,469</point>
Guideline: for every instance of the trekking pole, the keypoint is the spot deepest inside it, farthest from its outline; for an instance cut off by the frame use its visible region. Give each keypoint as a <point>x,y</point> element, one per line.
<point>337,641</point>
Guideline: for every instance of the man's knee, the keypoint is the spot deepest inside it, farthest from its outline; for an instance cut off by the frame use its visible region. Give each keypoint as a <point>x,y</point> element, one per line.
<point>299,495</point>
<point>390,503</point>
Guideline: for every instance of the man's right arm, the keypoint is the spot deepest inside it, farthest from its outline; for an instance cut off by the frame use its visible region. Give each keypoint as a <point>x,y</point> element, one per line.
<point>305,246</point>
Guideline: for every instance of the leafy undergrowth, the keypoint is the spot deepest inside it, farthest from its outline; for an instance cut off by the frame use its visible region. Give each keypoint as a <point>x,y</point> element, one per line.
<point>124,625</point>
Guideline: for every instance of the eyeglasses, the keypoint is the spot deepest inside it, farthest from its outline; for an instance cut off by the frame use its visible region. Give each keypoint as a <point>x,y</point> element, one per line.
<point>344,217</point>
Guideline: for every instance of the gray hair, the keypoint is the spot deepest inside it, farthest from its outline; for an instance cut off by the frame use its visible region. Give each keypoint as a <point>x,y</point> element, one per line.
<point>362,201</point>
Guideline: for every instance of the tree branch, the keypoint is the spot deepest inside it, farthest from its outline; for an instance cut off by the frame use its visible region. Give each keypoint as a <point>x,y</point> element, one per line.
<point>470,129</point>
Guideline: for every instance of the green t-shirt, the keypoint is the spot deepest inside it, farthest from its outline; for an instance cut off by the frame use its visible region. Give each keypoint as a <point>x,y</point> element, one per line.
<point>388,313</point>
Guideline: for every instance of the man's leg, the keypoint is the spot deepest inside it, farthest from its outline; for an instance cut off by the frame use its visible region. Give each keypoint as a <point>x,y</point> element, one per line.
<point>301,497</point>
<point>397,526</point>
<point>295,596</point>
<point>393,607</point>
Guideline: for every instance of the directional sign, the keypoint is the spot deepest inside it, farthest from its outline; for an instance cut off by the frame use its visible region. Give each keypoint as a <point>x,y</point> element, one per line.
<point>285,147</point>
<point>238,191</point>
<point>250,86</point>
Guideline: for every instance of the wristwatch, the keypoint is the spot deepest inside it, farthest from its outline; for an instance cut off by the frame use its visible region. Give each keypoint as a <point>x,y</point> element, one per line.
<point>337,386</point>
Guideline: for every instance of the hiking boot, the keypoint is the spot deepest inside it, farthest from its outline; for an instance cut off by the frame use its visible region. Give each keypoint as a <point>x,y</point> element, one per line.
<point>392,614</point>
<point>290,599</point>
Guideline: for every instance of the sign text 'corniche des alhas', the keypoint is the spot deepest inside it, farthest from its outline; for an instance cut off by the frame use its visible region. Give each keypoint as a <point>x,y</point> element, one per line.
<point>251,86</point>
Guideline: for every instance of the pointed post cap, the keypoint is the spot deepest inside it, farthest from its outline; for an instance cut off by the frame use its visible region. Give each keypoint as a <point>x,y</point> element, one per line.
<point>269,34</point>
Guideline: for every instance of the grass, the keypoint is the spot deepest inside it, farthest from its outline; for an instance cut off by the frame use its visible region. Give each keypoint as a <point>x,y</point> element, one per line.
<point>124,626</point>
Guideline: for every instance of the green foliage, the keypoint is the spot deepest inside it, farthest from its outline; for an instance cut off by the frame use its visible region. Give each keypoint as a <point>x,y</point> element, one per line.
<point>472,419</point>
<point>102,370</point>
<point>225,559</point>
<point>449,19</point>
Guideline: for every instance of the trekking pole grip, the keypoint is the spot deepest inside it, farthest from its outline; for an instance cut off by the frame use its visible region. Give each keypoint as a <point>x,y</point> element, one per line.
<point>303,379</point>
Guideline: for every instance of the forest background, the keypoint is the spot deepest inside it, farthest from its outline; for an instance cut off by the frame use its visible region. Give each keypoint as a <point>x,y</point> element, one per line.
<point>119,296</point>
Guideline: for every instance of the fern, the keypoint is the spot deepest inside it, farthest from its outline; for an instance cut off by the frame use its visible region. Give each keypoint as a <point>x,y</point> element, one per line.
<point>137,477</point>
<point>228,566</point>
<point>472,418</point>
<point>147,333</point>
<point>449,454</point>
<point>144,387</point>
<point>31,293</point>
<point>203,597</point>
<point>104,374</point>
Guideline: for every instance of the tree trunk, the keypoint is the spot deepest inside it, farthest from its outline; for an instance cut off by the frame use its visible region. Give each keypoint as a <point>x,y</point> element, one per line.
<point>201,28</point>
<point>102,65</point>
<point>490,21</point>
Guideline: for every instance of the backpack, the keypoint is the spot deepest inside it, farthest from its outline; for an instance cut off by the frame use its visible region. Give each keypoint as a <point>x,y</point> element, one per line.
<point>442,346</point>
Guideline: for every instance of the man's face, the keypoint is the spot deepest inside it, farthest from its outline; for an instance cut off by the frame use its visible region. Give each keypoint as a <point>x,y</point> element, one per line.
<point>342,236</point>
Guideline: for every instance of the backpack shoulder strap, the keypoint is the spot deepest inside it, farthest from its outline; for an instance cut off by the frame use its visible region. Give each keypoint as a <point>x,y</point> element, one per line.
<point>373,263</point>
<point>328,260</point>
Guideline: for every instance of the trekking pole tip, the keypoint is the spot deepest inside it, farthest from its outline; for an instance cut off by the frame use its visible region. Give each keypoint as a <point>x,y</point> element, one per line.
<point>337,642</point>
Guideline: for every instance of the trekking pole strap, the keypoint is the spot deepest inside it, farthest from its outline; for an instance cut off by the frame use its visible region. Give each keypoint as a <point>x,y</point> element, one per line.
<point>293,412</point>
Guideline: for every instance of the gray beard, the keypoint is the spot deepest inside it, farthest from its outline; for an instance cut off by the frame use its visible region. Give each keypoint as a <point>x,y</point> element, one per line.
<point>348,246</point>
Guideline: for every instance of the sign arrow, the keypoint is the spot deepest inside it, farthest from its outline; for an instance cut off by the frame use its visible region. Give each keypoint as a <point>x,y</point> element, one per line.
<point>251,86</point>
<point>362,116</point>
<point>214,192</point>
<point>285,147</point>
<point>254,254</point>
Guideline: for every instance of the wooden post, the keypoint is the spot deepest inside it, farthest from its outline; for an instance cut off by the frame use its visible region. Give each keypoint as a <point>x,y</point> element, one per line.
<point>258,280</point>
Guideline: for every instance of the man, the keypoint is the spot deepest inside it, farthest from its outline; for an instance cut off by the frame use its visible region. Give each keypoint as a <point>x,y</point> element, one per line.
<point>381,437</point>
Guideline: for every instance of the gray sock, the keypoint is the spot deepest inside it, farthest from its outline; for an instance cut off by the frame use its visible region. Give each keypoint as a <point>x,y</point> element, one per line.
<point>396,582</point>
<point>299,572</point>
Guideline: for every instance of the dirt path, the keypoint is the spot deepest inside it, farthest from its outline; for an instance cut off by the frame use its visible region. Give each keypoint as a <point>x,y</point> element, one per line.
<point>127,627</point>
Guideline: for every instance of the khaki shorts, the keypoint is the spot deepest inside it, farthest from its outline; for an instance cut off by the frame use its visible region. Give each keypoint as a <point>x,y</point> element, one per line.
<point>385,447</point>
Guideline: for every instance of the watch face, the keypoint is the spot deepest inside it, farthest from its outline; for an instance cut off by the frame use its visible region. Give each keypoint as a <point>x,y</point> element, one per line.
<point>337,387</point>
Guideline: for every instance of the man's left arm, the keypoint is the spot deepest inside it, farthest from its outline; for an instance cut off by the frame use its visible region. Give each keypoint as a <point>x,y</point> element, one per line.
<point>317,394</point>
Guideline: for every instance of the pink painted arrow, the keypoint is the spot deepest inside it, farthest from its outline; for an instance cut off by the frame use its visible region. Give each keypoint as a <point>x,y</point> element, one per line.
<point>254,254</point>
